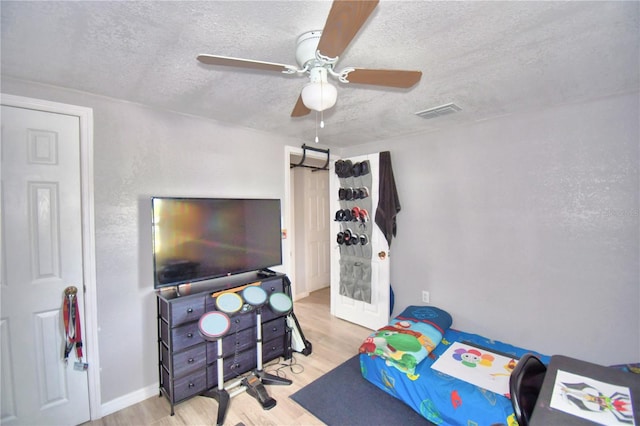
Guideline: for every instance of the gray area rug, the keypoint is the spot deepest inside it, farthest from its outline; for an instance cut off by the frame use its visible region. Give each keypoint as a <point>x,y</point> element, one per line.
<point>343,397</point>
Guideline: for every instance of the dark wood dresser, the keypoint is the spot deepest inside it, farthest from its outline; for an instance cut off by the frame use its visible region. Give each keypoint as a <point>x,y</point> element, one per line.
<point>187,362</point>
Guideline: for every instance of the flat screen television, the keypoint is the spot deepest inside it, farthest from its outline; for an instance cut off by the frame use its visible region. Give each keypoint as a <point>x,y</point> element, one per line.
<point>196,239</point>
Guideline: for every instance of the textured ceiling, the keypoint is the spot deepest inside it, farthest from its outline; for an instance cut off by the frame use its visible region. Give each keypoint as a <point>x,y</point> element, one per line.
<point>490,58</point>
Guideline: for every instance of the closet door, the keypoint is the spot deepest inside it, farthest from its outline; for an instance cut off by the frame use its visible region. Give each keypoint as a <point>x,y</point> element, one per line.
<point>41,255</point>
<point>360,272</point>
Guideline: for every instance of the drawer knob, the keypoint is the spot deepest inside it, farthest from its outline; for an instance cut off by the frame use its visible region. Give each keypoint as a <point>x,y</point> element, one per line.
<point>191,361</point>
<point>189,335</point>
<point>191,385</point>
<point>190,310</point>
<point>274,329</point>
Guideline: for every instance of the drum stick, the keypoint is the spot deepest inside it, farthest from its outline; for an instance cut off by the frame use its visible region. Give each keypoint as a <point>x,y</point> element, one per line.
<point>236,289</point>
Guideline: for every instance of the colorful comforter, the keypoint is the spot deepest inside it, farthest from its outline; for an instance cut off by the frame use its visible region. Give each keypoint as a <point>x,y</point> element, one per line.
<point>440,398</point>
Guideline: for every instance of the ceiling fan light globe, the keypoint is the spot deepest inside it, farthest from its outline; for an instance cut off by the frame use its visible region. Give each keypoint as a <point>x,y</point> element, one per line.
<point>319,96</point>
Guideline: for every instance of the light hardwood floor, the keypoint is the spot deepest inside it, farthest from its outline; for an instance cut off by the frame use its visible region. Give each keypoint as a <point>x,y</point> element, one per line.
<point>333,341</point>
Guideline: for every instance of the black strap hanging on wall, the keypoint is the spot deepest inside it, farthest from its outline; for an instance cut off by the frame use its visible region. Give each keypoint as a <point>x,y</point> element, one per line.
<point>304,157</point>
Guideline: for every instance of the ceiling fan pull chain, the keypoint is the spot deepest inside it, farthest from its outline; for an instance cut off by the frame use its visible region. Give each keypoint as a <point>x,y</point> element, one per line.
<point>317,127</point>
<point>322,103</point>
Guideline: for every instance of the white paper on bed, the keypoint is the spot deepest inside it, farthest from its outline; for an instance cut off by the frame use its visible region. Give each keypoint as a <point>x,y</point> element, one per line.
<point>597,401</point>
<point>477,366</point>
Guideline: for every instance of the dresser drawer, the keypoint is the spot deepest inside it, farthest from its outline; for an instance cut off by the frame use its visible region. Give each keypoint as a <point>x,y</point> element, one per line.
<point>273,349</point>
<point>241,322</point>
<point>233,368</point>
<point>245,339</point>
<point>245,361</point>
<point>182,311</point>
<point>181,337</point>
<point>179,389</point>
<point>190,385</point>
<point>189,360</point>
<point>268,313</point>
<point>274,328</point>
<point>273,286</point>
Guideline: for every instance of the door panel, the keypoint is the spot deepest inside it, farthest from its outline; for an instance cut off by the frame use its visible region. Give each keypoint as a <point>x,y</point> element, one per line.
<point>41,256</point>
<point>375,314</point>
<point>316,229</point>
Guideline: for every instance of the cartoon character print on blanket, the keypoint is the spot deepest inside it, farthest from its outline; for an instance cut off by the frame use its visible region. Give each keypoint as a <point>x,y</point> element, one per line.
<point>408,338</point>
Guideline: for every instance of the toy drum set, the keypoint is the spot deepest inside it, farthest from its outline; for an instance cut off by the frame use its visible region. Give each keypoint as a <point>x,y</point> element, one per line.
<point>214,325</point>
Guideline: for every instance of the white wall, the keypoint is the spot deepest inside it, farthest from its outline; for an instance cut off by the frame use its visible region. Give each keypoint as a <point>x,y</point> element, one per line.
<point>526,228</point>
<point>140,152</point>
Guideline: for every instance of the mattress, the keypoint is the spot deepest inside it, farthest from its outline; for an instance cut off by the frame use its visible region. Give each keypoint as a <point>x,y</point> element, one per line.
<point>442,398</point>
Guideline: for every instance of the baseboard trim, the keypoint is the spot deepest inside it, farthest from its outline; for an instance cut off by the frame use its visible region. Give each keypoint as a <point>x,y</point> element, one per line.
<point>130,399</point>
<point>299,296</point>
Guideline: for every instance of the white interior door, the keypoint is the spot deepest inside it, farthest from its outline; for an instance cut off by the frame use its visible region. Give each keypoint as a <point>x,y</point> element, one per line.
<point>372,315</point>
<point>316,207</point>
<point>41,256</point>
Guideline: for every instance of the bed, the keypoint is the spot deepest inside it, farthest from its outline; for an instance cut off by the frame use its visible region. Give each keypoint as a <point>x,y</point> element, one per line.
<point>449,376</point>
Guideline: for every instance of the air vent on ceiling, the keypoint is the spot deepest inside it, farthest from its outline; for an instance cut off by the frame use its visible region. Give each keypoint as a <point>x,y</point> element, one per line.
<point>439,111</point>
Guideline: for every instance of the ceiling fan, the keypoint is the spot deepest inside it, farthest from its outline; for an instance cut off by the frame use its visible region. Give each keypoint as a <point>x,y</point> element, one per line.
<point>317,53</point>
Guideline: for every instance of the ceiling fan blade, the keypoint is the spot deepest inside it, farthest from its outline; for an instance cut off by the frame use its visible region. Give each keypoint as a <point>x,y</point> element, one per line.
<point>345,18</point>
<point>389,78</point>
<point>243,63</point>
<point>300,109</point>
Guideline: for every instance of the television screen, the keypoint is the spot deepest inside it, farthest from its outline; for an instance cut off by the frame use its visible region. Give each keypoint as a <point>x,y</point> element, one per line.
<point>196,239</point>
